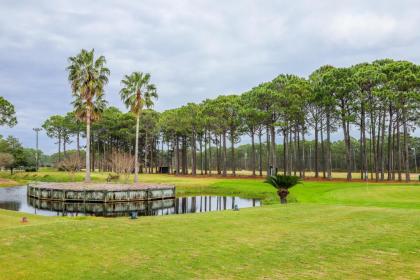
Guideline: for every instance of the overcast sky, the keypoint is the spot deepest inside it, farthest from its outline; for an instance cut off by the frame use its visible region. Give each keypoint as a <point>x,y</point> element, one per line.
<point>193,49</point>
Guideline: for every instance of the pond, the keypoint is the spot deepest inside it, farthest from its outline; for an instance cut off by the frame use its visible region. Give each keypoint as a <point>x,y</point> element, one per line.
<point>15,198</point>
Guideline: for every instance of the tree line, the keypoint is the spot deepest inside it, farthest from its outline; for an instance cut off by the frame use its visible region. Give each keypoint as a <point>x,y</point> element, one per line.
<point>375,106</point>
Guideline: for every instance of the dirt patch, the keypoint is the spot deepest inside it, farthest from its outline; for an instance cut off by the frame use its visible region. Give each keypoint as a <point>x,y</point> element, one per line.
<point>7,182</point>
<point>309,179</point>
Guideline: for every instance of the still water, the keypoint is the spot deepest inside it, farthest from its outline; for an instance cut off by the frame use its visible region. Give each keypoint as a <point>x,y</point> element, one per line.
<point>15,198</point>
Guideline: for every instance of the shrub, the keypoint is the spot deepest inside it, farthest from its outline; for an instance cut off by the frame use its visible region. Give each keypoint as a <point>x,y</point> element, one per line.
<point>283,183</point>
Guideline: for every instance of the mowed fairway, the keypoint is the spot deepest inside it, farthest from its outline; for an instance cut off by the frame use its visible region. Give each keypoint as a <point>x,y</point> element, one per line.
<point>330,230</point>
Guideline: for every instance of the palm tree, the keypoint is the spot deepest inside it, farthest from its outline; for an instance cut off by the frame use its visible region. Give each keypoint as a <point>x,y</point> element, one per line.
<point>282,183</point>
<point>87,77</point>
<point>137,91</point>
<point>99,105</point>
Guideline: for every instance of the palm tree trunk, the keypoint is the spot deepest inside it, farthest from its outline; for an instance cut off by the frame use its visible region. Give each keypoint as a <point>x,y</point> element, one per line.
<point>87,176</point>
<point>136,151</point>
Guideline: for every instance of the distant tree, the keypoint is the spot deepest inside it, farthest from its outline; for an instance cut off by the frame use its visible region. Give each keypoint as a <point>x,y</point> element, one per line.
<point>342,86</point>
<point>6,160</point>
<point>11,145</point>
<point>324,97</point>
<point>54,127</point>
<point>70,164</point>
<point>7,113</point>
<point>253,120</point>
<point>122,163</point>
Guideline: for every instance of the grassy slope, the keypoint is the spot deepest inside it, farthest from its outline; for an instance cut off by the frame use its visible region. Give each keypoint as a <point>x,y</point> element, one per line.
<point>329,233</point>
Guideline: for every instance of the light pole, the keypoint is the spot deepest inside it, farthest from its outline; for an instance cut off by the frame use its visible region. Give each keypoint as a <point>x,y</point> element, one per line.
<point>37,130</point>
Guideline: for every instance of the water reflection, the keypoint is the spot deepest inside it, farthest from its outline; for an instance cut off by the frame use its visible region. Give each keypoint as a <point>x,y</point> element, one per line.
<point>16,199</point>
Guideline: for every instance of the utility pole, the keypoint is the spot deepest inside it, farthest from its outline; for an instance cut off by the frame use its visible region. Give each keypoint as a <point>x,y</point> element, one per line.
<point>37,130</point>
<point>415,158</point>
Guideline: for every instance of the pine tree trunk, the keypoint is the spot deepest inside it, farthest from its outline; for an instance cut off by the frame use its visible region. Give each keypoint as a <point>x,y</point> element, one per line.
<point>273,148</point>
<point>253,152</point>
<point>232,145</point>
<point>389,165</point>
<point>303,152</point>
<point>363,147</point>
<point>59,147</point>
<point>224,155</point>
<point>295,151</point>
<point>285,151</point>
<point>151,150</point>
<point>405,143</point>
<point>64,147</point>
<point>92,145</point>
<point>316,166</point>
<point>182,155</point>
<point>290,155</point>
<point>143,168</point>
<point>78,145</point>
<point>177,160</point>
<point>260,152</point>
<point>210,163</point>
<point>298,151</point>
<point>205,152</point>
<point>346,133</point>
<point>382,154</point>
<point>218,152</point>
<point>322,150</point>
<point>268,150</point>
<point>194,154</point>
<point>201,155</point>
<point>378,144</point>
<point>399,159</point>
<point>328,161</point>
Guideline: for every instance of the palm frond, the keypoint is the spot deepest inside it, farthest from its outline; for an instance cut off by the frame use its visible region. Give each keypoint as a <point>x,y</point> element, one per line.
<point>283,181</point>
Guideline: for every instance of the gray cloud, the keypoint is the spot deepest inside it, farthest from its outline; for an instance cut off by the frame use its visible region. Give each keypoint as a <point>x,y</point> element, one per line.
<point>194,49</point>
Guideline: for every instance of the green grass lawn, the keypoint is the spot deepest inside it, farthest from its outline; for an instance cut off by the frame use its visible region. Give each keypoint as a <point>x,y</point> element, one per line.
<point>331,230</point>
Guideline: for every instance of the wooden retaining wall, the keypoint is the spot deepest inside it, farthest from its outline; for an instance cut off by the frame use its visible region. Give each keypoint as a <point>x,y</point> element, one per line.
<point>41,193</point>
